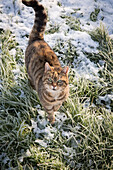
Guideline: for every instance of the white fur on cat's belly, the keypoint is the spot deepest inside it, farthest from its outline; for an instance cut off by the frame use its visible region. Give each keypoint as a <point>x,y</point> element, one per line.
<point>53,106</point>
<point>49,107</point>
<point>55,94</point>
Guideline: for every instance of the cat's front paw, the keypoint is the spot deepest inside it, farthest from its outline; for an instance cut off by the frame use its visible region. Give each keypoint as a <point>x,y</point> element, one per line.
<point>51,118</point>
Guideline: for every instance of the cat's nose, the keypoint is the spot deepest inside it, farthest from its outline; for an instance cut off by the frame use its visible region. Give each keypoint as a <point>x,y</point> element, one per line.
<point>54,87</point>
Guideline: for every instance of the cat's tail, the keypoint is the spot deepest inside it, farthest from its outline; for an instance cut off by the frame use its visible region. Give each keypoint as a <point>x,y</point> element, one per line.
<point>38,29</point>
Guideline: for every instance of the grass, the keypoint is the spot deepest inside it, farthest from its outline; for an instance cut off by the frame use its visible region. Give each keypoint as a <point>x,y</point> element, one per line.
<point>94,15</point>
<point>65,48</point>
<point>72,22</point>
<point>82,137</point>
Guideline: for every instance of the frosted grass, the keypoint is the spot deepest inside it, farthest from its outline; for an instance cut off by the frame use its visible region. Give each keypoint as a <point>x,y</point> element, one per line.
<point>82,136</point>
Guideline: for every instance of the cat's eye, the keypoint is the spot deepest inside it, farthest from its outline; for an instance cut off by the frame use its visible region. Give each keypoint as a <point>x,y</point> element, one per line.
<point>50,80</point>
<point>60,82</point>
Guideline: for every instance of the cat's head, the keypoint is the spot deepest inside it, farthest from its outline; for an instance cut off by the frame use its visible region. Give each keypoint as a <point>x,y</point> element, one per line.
<point>55,78</point>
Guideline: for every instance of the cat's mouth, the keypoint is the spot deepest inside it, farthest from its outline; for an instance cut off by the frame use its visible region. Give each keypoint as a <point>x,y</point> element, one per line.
<point>54,88</point>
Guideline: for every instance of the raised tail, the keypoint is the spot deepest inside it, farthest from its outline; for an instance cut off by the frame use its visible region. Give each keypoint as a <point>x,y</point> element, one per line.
<point>38,29</point>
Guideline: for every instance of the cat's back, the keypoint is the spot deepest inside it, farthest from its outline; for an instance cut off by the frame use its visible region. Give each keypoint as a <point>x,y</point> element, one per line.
<point>40,52</point>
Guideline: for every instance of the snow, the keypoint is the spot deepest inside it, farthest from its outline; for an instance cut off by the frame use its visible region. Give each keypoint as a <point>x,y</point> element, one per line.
<point>106,100</point>
<point>88,6</point>
<point>41,128</point>
<point>19,19</point>
<point>41,142</point>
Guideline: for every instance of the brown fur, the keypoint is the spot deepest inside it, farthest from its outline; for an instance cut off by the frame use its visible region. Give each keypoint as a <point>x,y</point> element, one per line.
<point>46,75</point>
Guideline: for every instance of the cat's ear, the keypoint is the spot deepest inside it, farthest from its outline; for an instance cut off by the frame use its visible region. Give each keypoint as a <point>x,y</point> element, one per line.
<point>47,67</point>
<point>65,69</point>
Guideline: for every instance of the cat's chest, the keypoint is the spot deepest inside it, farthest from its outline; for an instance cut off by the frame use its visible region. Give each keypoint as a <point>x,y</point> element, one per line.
<point>55,94</point>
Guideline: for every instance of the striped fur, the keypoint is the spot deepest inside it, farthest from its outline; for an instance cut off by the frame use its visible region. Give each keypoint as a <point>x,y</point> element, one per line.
<point>46,75</point>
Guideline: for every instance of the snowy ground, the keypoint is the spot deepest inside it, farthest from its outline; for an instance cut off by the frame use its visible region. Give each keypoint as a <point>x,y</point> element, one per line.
<point>19,19</point>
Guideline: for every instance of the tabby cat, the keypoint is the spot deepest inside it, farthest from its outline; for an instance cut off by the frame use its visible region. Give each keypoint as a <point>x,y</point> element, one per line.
<point>46,75</point>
